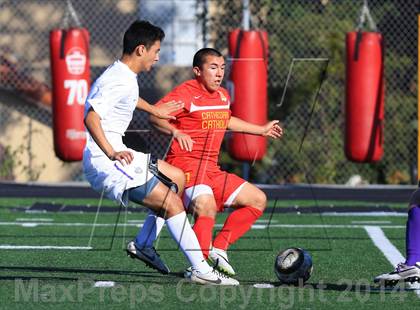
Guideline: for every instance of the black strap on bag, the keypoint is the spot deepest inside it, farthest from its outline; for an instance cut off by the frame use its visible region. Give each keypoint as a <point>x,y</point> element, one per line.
<point>357,46</point>
<point>62,42</point>
<point>153,168</point>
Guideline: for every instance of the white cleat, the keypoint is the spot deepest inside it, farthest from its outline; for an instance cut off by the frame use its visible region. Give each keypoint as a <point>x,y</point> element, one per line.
<point>220,261</point>
<point>212,278</point>
<point>402,273</point>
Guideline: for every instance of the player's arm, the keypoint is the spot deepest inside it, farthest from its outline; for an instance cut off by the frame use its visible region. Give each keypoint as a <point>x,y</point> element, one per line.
<point>162,111</point>
<point>271,129</point>
<point>93,125</point>
<point>163,125</point>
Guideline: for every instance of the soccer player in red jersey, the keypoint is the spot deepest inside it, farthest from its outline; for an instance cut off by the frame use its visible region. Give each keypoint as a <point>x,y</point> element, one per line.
<point>198,133</point>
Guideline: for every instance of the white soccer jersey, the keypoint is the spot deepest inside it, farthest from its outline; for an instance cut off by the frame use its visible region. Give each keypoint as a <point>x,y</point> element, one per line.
<point>114,97</point>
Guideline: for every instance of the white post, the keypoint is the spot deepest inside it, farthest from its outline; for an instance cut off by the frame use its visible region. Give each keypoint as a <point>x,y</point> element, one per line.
<point>245,15</point>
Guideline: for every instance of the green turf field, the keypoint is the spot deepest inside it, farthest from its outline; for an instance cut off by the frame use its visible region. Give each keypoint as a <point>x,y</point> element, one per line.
<point>51,276</point>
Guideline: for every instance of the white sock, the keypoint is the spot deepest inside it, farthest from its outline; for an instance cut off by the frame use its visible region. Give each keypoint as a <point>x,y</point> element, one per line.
<point>219,251</point>
<point>150,230</point>
<point>181,231</point>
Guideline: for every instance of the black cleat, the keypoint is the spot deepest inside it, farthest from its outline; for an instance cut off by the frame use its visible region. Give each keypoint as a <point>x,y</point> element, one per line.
<point>147,255</point>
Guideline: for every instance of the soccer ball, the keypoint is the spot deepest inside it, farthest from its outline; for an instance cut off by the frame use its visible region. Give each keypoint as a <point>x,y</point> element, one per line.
<point>293,266</point>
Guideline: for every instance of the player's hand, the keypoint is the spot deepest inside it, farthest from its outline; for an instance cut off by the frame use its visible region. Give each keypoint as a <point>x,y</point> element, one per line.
<point>273,130</point>
<point>184,140</point>
<point>124,157</point>
<point>165,110</point>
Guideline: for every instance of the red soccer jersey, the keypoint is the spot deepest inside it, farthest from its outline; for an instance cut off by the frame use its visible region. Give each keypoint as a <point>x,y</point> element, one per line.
<point>204,118</point>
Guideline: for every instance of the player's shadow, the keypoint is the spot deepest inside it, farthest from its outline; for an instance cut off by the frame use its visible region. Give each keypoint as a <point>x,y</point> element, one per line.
<point>355,288</point>
<point>30,278</point>
<point>53,278</point>
<point>141,276</point>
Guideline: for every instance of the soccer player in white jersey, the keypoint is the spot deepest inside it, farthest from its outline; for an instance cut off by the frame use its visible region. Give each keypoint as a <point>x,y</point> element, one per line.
<point>121,173</point>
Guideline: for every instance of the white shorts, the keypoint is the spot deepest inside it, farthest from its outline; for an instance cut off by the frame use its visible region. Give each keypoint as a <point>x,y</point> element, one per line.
<point>112,179</point>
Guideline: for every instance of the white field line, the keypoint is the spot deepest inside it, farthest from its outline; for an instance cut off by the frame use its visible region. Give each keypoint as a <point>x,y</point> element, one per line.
<point>34,219</point>
<point>42,247</point>
<point>255,226</point>
<point>386,247</point>
<point>266,221</point>
<point>326,226</point>
<point>382,243</point>
<point>375,214</point>
<point>32,224</point>
<point>371,222</point>
<point>29,224</point>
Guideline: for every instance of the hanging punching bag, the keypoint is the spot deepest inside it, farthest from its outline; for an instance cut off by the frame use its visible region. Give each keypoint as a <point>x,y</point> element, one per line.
<point>248,90</point>
<point>364,96</point>
<point>70,83</point>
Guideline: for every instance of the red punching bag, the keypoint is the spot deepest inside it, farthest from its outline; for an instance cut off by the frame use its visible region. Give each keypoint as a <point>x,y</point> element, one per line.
<point>70,75</point>
<point>248,90</point>
<point>364,96</point>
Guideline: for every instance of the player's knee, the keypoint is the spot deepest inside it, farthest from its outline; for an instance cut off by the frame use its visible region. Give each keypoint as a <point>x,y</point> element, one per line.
<point>179,179</point>
<point>172,205</point>
<point>260,200</point>
<point>205,206</point>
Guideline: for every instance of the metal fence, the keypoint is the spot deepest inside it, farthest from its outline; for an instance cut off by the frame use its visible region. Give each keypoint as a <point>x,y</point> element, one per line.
<point>296,29</point>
